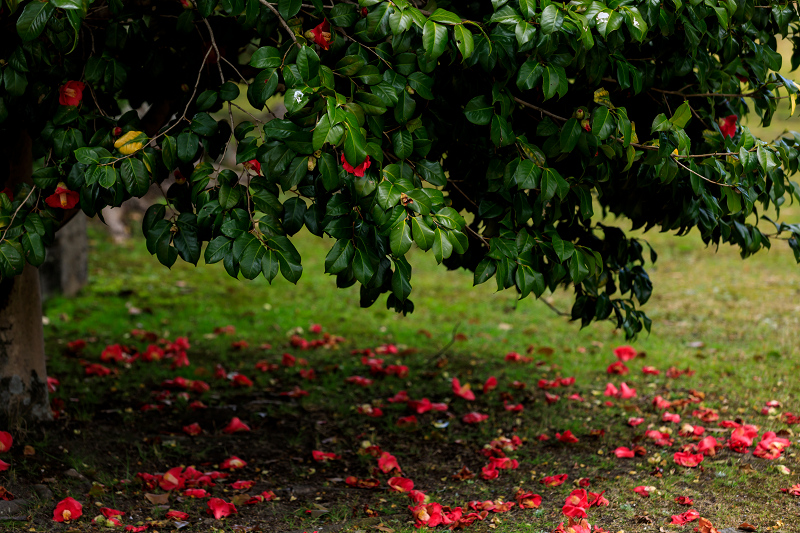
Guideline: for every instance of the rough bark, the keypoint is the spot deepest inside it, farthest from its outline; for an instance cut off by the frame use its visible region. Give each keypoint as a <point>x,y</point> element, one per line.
<point>23,378</point>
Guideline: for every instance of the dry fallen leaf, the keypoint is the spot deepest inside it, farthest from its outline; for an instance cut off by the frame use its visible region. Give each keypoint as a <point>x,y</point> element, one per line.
<point>783,469</point>
<point>744,526</point>
<point>157,499</point>
<point>381,527</point>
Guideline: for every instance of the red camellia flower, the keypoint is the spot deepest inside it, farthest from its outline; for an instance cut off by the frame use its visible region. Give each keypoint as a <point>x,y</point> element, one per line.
<point>63,198</point>
<point>233,463</point>
<point>177,515</point>
<point>71,93</point>
<point>684,500</point>
<point>243,485</point>
<point>195,493</point>
<point>634,421</point>
<point>4,466</point>
<point>236,426</point>
<point>172,479</point>
<point>110,513</point>
<point>653,371</point>
<point>6,441</point>
<point>67,509</point>
<point>643,491</point>
<point>671,417</point>
<point>489,472</point>
<point>400,484</point>
<point>322,36</point>
<point>357,171</point>
<point>407,421</point>
<point>253,165</point>
<point>624,353</point>
<point>728,126</point>
<point>490,384</point>
<point>219,508</point>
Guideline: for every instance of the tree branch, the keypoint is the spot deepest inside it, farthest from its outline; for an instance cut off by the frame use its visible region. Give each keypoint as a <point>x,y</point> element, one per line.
<point>540,110</point>
<point>283,22</point>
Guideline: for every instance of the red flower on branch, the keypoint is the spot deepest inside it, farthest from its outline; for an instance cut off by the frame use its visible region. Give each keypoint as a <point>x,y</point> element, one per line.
<point>357,171</point>
<point>322,36</point>
<point>63,198</point>
<point>71,93</point>
<point>728,126</point>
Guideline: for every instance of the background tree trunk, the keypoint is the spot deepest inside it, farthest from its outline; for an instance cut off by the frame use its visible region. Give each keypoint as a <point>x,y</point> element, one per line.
<point>23,377</point>
<point>66,269</point>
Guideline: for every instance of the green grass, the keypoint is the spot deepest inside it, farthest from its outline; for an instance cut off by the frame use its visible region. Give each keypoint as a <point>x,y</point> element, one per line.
<point>744,313</point>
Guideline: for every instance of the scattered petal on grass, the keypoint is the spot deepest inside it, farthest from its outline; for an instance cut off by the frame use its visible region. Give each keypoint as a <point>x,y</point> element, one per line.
<point>474,418</point>
<point>243,485</point>
<point>684,500</point>
<point>554,481</point>
<point>369,483</point>
<point>219,508</point>
<point>623,452</point>
<point>490,384</point>
<point>233,463</point>
<point>567,437</point>
<point>322,457</point>
<point>177,515</point>
<point>400,484</point>
<point>688,459</point>
<point>193,429</point>
<point>634,421</point>
<point>644,491</point>
<point>463,391</point>
<point>684,518</point>
<point>625,353</point>
<point>528,500</point>
<point>6,441</point>
<point>388,463</point>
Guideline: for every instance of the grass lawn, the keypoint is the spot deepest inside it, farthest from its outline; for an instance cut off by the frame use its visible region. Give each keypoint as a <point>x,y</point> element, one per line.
<point>733,323</point>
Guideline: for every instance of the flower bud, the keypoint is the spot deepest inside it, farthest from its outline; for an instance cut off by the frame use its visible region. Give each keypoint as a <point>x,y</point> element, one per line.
<point>579,114</point>
<point>586,125</point>
<point>312,163</point>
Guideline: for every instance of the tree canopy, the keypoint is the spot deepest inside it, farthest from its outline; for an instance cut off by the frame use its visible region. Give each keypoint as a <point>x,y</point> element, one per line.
<point>485,132</point>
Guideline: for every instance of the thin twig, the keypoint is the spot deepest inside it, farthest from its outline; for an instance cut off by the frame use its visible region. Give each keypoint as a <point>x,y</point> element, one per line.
<point>11,222</point>
<point>720,95</point>
<point>555,309</point>
<point>450,343</point>
<point>283,22</point>
<point>478,236</point>
<point>540,110</point>
<point>236,70</point>
<point>341,30</point>
<point>243,110</point>
<point>216,49</point>
<point>700,175</point>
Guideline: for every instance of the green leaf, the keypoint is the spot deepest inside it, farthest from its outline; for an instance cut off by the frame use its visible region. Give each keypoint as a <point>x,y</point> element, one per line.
<point>11,260</point>
<point>402,143</point>
<point>603,123</point>
<point>229,91</point>
<point>217,249</point>
<point>33,247</point>
<point>484,271</point>
<point>563,249</point>
<point>33,19</point>
<point>270,263</point>
<point>187,146</point>
<point>445,17</point>
<point>661,123</point>
<point>294,211</point>
<point>354,145</point>
<point>552,19</point>
<point>15,82</point>
<point>431,171</point>
<point>550,81</point>
<point>442,247</point>
<point>108,176</point>
<point>423,235</point>
<point>266,57</point>
<point>202,124</point>
<point>529,75</point>
<point>340,256</point>
<point>464,41</point>
<point>308,63</point>
<point>362,265</point>
<point>169,149</point>
<point>682,115</point>
<point>251,252</point>
<point>434,40</point>
<point>570,134</point>
<point>289,8</point>
<point>400,239</point>
<point>330,172</point>
<point>135,177</point>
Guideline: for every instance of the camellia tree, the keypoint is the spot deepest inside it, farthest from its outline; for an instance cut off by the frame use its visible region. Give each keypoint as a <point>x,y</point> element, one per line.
<point>484,132</point>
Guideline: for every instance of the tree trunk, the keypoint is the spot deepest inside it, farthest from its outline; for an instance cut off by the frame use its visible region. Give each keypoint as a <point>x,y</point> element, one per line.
<point>23,378</point>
